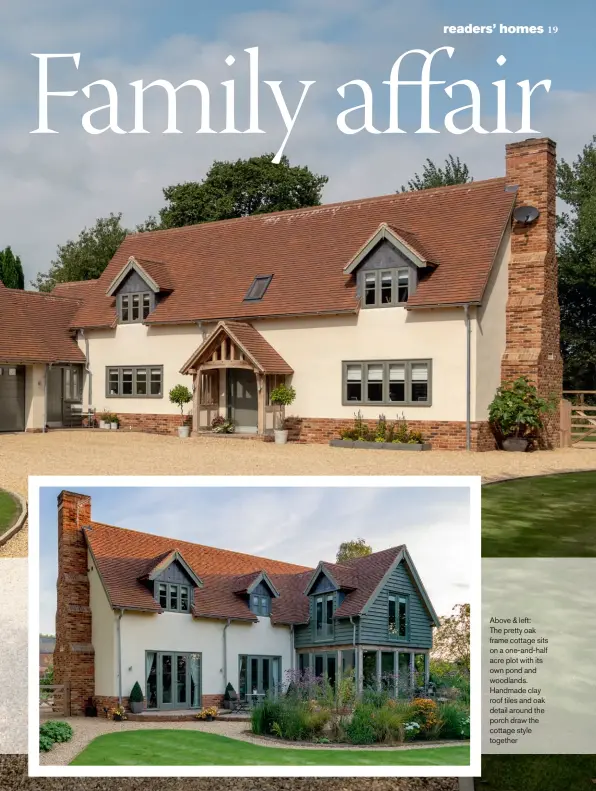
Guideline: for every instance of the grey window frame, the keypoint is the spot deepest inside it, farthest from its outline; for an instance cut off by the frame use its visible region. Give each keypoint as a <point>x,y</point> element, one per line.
<point>178,586</point>
<point>397,597</point>
<point>385,401</point>
<point>252,289</point>
<point>128,296</point>
<point>328,629</point>
<point>263,607</point>
<point>378,274</point>
<point>134,369</point>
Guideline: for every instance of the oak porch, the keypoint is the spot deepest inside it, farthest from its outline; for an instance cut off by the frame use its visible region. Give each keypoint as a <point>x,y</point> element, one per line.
<point>216,368</point>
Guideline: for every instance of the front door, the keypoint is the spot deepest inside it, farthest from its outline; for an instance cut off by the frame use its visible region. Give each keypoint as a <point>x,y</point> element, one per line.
<point>243,399</point>
<point>173,680</point>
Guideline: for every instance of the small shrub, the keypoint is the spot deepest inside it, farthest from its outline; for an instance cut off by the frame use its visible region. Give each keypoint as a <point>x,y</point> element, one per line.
<point>518,411</point>
<point>456,721</point>
<point>220,425</point>
<point>45,743</point>
<point>381,430</point>
<point>136,694</point>
<point>360,729</point>
<point>426,714</point>
<point>56,731</point>
<point>180,395</point>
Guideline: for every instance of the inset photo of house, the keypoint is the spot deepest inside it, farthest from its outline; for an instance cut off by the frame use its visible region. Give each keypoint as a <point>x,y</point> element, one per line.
<point>254,626</point>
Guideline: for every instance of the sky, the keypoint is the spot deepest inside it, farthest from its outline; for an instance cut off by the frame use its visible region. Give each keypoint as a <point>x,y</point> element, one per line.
<point>286,523</point>
<point>55,185</point>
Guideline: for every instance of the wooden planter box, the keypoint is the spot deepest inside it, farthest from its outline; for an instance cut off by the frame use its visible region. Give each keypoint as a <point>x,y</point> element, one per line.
<point>351,443</point>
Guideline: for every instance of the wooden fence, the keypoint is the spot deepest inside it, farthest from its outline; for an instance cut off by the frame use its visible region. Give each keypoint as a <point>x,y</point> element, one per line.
<point>54,699</point>
<point>578,419</point>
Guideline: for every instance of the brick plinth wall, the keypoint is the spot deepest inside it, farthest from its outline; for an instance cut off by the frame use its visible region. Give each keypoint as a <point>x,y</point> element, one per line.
<point>106,702</point>
<point>74,658</point>
<point>443,435</point>
<point>151,424</point>
<point>532,320</point>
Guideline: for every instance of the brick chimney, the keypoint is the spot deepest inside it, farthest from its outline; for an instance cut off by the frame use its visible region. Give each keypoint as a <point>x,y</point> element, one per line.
<point>532,318</point>
<point>74,662</point>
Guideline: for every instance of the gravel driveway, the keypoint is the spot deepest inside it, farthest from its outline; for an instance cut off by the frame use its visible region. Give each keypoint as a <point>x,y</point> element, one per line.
<point>131,453</point>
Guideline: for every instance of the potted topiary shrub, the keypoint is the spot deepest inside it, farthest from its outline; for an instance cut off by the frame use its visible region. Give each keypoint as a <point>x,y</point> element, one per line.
<point>517,414</point>
<point>281,397</point>
<point>104,418</point>
<point>136,699</point>
<point>114,422</point>
<point>230,691</point>
<point>181,395</point>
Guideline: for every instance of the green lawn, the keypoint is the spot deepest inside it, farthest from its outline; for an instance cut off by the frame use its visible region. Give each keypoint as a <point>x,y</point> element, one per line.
<point>537,773</point>
<point>197,748</point>
<point>9,510</point>
<point>550,516</point>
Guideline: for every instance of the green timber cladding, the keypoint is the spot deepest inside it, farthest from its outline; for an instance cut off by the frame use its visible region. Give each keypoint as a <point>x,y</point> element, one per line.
<point>372,628</point>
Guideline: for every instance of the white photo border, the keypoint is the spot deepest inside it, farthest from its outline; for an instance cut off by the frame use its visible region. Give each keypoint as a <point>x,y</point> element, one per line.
<point>73,482</point>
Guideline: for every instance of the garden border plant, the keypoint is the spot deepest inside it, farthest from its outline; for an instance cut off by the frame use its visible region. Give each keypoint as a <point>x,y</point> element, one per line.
<point>519,417</point>
<point>53,732</point>
<point>307,709</point>
<point>385,436</point>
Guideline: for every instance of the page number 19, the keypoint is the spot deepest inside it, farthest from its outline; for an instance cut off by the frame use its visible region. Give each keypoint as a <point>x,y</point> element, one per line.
<point>553,29</point>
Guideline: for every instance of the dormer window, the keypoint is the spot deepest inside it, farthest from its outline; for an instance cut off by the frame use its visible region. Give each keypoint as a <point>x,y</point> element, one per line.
<point>260,605</point>
<point>135,307</point>
<point>173,597</point>
<point>258,288</point>
<point>324,606</point>
<point>385,288</point>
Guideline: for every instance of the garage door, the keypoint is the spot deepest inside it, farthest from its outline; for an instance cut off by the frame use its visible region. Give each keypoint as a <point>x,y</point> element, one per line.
<point>12,398</point>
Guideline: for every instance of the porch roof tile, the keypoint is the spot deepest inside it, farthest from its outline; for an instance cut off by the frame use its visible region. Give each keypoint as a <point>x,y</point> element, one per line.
<point>124,557</point>
<point>251,342</point>
<point>212,265</point>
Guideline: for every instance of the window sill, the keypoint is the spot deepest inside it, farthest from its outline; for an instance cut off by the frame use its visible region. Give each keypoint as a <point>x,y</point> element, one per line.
<point>374,404</point>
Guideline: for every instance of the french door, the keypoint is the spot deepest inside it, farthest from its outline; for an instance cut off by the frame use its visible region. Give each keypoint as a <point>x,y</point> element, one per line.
<point>173,680</point>
<point>259,674</point>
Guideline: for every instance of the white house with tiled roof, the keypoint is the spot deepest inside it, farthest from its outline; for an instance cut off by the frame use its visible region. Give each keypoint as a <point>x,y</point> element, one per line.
<point>185,620</point>
<point>415,304</point>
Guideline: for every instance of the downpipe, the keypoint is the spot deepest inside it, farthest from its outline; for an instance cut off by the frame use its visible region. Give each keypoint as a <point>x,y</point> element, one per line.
<point>225,654</point>
<point>468,325</point>
<point>119,644</point>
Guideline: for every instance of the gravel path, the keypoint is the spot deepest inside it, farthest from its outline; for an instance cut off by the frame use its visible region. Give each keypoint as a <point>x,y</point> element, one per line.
<point>130,453</point>
<point>87,729</point>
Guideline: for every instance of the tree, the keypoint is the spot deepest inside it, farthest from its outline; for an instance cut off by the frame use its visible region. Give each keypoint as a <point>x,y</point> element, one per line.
<point>358,548</point>
<point>237,189</point>
<point>454,172</point>
<point>451,640</point>
<point>86,257</point>
<point>11,269</point>
<point>576,252</point>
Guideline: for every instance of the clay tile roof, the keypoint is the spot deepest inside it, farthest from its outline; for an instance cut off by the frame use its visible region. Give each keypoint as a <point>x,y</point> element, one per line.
<point>370,570</point>
<point>260,351</point>
<point>212,265</point>
<point>158,271</point>
<point>345,576</point>
<point>125,558</point>
<point>36,328</point>
<point>73,289</point>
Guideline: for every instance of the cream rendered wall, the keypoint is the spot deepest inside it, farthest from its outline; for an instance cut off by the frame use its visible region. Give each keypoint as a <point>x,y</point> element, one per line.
<point>136,344</point>
<point>316,347</point>
<point>35,400</point>
<point>490,331</point>
<point>169,631</point>
<point>103,635</point>
<point>261,639</point>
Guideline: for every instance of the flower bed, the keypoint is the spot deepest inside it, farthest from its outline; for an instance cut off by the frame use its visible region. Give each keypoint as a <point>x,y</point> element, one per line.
<point>310,710</point>
<point>385,436</point>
